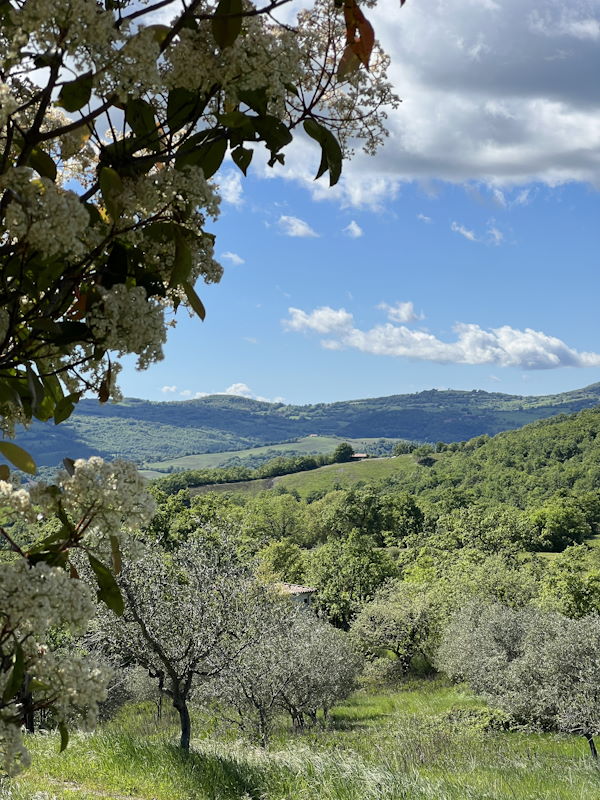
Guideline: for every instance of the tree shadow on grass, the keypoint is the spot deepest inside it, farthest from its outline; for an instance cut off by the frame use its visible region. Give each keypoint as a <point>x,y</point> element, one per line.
<point>217,777</point>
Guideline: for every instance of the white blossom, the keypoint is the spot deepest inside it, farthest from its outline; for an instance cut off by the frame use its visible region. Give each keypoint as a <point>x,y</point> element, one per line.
<point>127,321</point>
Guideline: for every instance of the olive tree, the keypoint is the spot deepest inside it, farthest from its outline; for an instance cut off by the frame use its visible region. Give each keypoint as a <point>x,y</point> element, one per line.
<point>296,664</point>
<point>399,619</point>
<point>185,619</point>
<point>542,668</point>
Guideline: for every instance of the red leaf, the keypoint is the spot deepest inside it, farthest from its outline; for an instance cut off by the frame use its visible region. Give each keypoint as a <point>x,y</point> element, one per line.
<point>360,38</point>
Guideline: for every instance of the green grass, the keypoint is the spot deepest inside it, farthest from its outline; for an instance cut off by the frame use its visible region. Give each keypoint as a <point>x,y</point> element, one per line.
<point>323,478</point>
<point>326,478</point>
<point>397,745</point>
<point>307,445</point>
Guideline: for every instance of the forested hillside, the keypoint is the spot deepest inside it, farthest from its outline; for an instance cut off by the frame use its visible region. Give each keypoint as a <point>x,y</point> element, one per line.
<point>522,467</point>
<point>146,431</point>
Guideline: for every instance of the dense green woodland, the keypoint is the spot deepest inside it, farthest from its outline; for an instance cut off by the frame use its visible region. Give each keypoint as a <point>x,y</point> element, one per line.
<point>148,432</point>
<point>477,564</point>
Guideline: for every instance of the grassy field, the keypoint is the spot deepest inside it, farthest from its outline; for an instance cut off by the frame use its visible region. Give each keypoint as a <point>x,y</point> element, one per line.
<point>370,470</point>
<point>323,478</point>
<point>306,445</point>
<point>398,745</point>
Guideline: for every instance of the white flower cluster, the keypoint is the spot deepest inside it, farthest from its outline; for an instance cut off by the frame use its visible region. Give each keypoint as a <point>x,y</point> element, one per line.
<point>112,494</point>
<point>127,321</point>
<point>78,684</point>
<point>263,56</point>
<point>82,27</point>
<point>45,216</point>
<point>133,69</point>
<point>183,194</point>
<point>14,756</point>
<point>8,104</point>
<point>18,501</point>
<point>34,599</point>
<point>106,497</point>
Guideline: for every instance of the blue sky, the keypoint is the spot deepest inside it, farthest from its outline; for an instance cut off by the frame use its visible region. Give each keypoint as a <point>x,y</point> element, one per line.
<point>465,254</point>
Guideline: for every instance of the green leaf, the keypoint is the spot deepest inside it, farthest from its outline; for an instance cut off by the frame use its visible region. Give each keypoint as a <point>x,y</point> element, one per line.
<point>76,94</point>
<point>256,99</point>
<point>9,393</point>
<point>225,26</point>
<point>139,115</point>
<point>19,457</point>
<point>242,157</point>
<point>64,736</point>
<point>111,188</point>
<point>4,472</point>
<point>42,163</point>
<point>182,264</point>
<point>273,132</point>
<point>194,300</point>
<point>69,465</point>
<point>209,157</point>
<point>183,106</point>
<point>108,589</point>
<point>331,152</point>
<point>65,407</point>
<point>15,680</point>
<point>233,119</point>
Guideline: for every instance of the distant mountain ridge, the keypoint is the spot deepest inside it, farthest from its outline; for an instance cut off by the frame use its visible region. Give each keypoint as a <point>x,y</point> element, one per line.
<point>145,431</point>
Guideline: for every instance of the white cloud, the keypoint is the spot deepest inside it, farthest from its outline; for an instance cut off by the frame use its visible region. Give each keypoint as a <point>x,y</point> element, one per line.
<point>495,235</point>
<point>504,93</point>
<point>239,389</point>
<point>233,257</point>
<point>463,231</point>
<point>293,226</point>
<point>401,312</point>
<point>185,393</point>
<point>504,346</point>
<point>321,320</point>
<point>230,187</point>
<point>243,390</point>
<point>424,218</point>
<point>167,389</point>
<point>353,230</point>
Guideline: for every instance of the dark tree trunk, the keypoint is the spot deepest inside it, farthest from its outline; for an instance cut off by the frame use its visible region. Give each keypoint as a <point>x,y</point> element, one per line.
<point>184,719</point>
<point>26,700</point>
<point>590,740</point>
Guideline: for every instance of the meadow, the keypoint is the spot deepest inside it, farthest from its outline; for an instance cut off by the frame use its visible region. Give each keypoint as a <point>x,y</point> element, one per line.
<point>420,741</point>
<point>307,445</point>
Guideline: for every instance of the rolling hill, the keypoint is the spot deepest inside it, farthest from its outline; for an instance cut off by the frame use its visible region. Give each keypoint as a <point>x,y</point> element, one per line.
<point>149,432</point>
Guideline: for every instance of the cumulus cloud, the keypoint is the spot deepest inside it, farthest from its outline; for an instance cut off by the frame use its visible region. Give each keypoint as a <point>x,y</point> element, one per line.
<point>233,258</point>
<point>243,390</point>
<point>167,389</point>
<point>504,346</point>
<point>504,93</point>
<point>401,312</point>
<point>321,320</point>
<point>470,235</point>
<point>423,218</point>
<point>293,226</point>
<point>230,187</point>
<point>353,230</point>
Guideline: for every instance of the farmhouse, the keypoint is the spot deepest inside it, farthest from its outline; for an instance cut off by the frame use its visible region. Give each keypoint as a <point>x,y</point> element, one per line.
<point>302,595</point>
